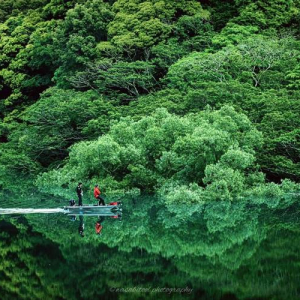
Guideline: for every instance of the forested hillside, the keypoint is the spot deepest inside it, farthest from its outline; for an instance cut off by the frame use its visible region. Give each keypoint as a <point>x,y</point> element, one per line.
<point>197,98</point>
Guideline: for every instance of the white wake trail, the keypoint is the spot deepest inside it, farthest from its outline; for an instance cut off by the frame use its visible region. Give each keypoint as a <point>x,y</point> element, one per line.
<point>9,211</point>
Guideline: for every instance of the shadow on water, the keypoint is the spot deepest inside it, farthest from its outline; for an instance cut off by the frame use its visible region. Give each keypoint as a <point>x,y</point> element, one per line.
<point>217,250</point>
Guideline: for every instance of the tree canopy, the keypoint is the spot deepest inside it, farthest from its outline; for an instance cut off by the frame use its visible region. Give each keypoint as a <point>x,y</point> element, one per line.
<point>71,69</point>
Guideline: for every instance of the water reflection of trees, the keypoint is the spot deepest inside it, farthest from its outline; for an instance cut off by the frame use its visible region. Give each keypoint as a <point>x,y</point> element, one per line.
<point>248,248</point>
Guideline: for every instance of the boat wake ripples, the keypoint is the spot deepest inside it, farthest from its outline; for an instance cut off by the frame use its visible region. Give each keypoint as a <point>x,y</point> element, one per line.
<point>10,211</point>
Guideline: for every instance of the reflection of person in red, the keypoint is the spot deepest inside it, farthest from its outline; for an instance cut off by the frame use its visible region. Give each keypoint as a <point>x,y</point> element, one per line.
<point>97,194</point>
<point>98,226</point>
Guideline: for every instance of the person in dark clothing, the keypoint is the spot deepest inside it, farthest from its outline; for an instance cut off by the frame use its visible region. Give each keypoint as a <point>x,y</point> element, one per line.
<point>72,202</point>
<point>97,194</point>
<point>81,226</point>
<point>79,192</point>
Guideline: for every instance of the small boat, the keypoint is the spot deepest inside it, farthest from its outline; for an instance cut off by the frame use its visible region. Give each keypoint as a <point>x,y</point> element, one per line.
<point>112,209</point>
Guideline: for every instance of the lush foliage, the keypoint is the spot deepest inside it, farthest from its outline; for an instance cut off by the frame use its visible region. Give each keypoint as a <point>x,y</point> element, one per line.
<point>69,69</point>
<point>215,149</point>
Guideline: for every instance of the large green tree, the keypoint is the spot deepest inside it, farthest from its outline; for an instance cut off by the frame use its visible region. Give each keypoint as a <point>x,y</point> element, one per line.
<point>214,149</point>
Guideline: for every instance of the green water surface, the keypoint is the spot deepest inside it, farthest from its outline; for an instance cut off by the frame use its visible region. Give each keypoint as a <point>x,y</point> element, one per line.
<point>246,249</point>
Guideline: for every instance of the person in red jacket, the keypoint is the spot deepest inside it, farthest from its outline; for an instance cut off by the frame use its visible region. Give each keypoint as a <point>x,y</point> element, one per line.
<point>97,194</point>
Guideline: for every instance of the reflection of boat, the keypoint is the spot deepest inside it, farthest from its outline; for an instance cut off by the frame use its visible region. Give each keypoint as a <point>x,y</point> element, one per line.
<point>93,209</point>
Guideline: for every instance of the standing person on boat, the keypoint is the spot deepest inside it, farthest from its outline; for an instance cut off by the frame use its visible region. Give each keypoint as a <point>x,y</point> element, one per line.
<point>79,192</point>
<point>97,194</point>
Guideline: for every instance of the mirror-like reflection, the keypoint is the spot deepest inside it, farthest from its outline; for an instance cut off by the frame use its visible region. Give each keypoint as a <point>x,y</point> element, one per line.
<point>236,250</point>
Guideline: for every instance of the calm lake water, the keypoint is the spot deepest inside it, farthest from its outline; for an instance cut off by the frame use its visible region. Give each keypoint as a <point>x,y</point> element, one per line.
<point>240,250</point>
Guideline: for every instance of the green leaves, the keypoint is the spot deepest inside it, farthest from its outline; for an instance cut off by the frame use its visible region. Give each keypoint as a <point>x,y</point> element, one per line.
<point>160,149</point>
<point>59,119</point>
<point>77,36</point>
<point>140,25</point>
<point>270,13</point>
<point>252,59</point>
<point>122,80</point>
<point>233,34</point>
<point>237,159</point>
<point>144,55</point>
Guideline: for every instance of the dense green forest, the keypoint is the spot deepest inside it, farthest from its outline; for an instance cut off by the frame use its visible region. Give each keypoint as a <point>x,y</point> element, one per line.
<point>188,99</point>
